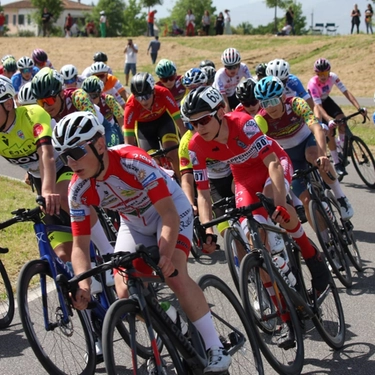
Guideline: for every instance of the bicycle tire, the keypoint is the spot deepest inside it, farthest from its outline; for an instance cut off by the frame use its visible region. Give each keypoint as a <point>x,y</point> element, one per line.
<point>196,243</point>
<point>283,361</point>
<point>228,313</point>
<point>363,161</point>
<point>63,348</point>
<point>6,298</point>
<point>127,312</point>
<point>333,244</point>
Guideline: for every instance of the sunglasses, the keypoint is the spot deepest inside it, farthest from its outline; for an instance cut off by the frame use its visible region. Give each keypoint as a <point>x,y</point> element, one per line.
<point>101,76</point>
<point>203,120</point>
<point>322,74</point>
<point>94,96</point>
<point>232,67</point>
<point>273,102</point>
<point>26,70</point>
<point>170,78</point>
<point>49,101</point>
<point>74,153</point>
<point>143,98</point>
<point>69,81</point>
<point>252,102</point>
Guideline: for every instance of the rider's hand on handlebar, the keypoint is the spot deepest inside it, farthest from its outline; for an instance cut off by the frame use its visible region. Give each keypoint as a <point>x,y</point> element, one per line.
<point>281,215</point>
<point>209,245</point>
<point>166,265</point>
<point>323,163</point>
<point>332,124</point>
<point>53,203</point>
<point>81,299</point>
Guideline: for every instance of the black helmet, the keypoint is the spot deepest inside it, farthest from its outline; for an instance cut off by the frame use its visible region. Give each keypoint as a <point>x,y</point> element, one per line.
<point>100,57</point>
<point>201,99</point>
<point>210,73</point>
<point>245,90</point>
<point>260,70</point>
<point>207,63</point>
<point>142,84</point>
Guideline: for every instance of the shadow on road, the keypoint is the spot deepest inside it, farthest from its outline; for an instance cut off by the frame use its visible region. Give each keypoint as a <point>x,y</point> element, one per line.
<point>13,343</point>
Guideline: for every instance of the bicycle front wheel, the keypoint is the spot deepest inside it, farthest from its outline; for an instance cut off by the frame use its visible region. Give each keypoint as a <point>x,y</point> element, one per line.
<point>274,312</point>
<point>62,345</point>
<point>363,161</point>
<point>120,358</point>
<point>6,298</point>
<point>236,331</point>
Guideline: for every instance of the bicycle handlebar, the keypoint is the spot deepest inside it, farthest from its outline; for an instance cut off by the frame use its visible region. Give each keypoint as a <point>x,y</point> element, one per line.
<point>164,151</point>
<point>21,215</point>
<point>4,250</point>
<point>346,118</point>
<point>224,202</point>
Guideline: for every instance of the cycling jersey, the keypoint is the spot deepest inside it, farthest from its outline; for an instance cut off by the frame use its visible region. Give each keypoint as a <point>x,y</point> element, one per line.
<point>293,126</point>
<point>110,108</point>
<point>178,91</point>
<point>320,91</point>
<point>227,85</point>
<point>87,72</point>
<point>18,81</point>
<point>294,87</point>
<point>31,130</point>
<point>135,112</point>
<point>114,87</point>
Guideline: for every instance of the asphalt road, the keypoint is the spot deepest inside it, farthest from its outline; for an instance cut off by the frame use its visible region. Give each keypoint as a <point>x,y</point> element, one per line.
<point>358,354</point>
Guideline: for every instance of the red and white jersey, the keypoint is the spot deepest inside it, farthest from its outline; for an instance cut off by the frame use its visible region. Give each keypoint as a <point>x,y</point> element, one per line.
<point>320,91</point>
<point>131,185</point>
<point>244,151</point>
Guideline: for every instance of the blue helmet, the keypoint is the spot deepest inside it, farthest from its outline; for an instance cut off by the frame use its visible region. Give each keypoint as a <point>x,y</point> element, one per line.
<point>268,87</point>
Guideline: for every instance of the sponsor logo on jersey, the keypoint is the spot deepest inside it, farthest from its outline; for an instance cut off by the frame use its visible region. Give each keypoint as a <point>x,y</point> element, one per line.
<point>127,193</point>
<point>74,204</point>
<point>184,162</point>
<point>37,130</point>
<point>149,179</point>
<point>20,134</point>
<point>77,215</point>
<point>250,129</point>
<point>193,157</point>
<point>141,174</point>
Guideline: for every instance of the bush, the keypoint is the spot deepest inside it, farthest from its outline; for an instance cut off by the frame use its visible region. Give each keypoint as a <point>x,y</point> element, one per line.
<point>26,33</point>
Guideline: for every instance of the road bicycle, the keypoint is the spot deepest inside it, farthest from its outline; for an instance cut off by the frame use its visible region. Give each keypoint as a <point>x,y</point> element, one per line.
<point>6,295</point>
<point>181,354</point>
<point>161,157</point>
<point>356,148</point>
<point>271,300</point>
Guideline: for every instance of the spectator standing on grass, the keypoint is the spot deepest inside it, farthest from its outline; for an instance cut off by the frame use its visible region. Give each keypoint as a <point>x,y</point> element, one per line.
<point>289,19</point>
<point>2,22</point>
<point>227,27</point>
<point>368,18</point>
<point>356,18</point>
<point>103,24</point>
<point>190,24</point>
<point>131,51</point>
<point>206,22</point>
<point>46,22</point>
<point>150,22</point>
<point>154,46</point>
<point>219,24</point>
<point>68,25</point>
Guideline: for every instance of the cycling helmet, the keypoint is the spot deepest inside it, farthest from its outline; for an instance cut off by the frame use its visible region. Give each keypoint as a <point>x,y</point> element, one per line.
<point>100,57</point>
<point>47,82</point>
<point>261,69</point>
<point>205,63</point>
<point>75,128</point>
<point>6,89</point>
<point>268,87</point>
<point>142,84</point>
<point>99,67</point>
<point>69,72</point>
<point>245,90</point>
<point>7,57</point>
<point>278,68</point>
<point>210,73</point>
<point>322,65</point>
<point>230,57</point>
<point>25,95</point>
<point>194,78</point>
<point>25,63</point>
<point>165,68</point>
<point>10,65</point>
<point>202,99</point>
<point>92,84</point>
<point>39,56</point>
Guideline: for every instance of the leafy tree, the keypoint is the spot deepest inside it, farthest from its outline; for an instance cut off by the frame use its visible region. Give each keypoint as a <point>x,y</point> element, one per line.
<point>55,7</point>
<point>115,12</point>
<point>134,19</point>
<point>151,3</point>
<point>244,28</point>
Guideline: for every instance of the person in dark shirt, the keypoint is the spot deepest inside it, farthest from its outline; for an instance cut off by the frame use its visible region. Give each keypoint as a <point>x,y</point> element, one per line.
<point>46,22</point>
<point>290,18</point>
<point>356,18</point>
<point>219,25</point>
<point>154,46</point>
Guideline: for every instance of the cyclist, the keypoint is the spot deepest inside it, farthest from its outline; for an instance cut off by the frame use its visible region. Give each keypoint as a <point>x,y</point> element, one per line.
<point>9,67</point>
<point>98,57</point>
<point>245,95</point>
<point>205,63</point>
<point>194,78</point>
<point>26,72</point>
<point>153,210</point>
<point>260,71</point>
<point>40,59</point>
<point>167,72</point>
<point>70,76</point>
<point>150,117</point>
<point>210,73</point>
<point>326,109</point>
<point>258,163</point>
<point>292,123</point>
<point>227,78</point>
<point>112,85</point>
<point>25,95</point>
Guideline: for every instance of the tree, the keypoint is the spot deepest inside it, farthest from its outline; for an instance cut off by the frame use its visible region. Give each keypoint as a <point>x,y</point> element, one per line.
<point>134,19</point>
<point>115,12</point>
<point>55,7</point>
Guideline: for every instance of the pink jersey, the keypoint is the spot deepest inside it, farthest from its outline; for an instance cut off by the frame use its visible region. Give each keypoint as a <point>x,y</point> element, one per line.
<point>320,91</point>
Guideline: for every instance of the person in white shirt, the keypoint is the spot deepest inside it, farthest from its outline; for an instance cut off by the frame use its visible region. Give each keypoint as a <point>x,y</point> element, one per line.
<point>131,51</point>
<point>227,28</point>
<point>190,24</point>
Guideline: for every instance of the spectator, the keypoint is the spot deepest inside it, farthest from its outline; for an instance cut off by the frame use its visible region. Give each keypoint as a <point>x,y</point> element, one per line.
<point>154,46</point>
<point>190,24</point>
<point>74,30</point>
<point>219,25</point>
<point>103,24</point>
<point>227,28</point>
<point>356,18</point>
<point>368,18</point>
<point>176,30</point>
<point>130,51</point>
<point>150,22</point>
<point>285,30</point>
<point>90,28</point>
<point>2,22</point>
<point>289,19</point>
<point>68,25</point>
<point>46,22</point>
<point>206,22</point>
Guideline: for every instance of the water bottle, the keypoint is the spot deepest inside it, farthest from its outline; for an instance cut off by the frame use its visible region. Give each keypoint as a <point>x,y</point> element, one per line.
<point>174,315</point>
<point>281,263</point>
<point>96,286</point>
<point>328,210</point>
<point>276,242</point>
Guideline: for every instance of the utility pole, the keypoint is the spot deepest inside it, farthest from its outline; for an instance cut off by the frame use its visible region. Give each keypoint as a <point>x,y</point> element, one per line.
<point>276,16</point>
<point>312,18</point>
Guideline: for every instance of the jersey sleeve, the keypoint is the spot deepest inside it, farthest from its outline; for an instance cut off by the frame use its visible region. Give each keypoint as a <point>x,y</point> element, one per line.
<point>41,121</point>
<point>183,153</point>
<point>302,109</point>
<point>16,81</point>
<point>314,91</point>
<point>115,107</point>
<point>171,105</point>
<point>300,91</point>
<point>130,115</point>
<point>262,123</point>
<point>336,80</point>
<point>198,161</point>
<point>82,102</point>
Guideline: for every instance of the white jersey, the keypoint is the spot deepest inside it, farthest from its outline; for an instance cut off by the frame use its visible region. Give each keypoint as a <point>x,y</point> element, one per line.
<point>227,85</point>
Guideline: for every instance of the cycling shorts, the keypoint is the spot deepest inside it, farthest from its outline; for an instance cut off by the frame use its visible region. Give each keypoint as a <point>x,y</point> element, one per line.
<point>331,107</point>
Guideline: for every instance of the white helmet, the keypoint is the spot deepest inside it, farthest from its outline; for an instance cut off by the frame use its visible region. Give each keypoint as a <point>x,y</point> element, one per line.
<point>230,57</point>
<point>25,62</point>
<point>278,68</point>
<point>25,95</point>
<point>75,128</point>
<point>6,89</point>
<point>69,72</point>
<point>99,67</point>
<point>194,78</point>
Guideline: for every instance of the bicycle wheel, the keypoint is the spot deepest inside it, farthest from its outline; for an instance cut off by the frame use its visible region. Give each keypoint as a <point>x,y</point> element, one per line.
<point>363,161</point>
<point>120,358</point>
<point>254,277</point>
<point>232,325</point>
<point>6,298</point>
<point>62,348</point>
<point>331,242</point>
<point>196,243</point>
